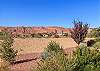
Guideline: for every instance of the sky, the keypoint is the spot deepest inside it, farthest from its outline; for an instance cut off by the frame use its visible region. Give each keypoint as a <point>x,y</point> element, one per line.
<point>49,12</point>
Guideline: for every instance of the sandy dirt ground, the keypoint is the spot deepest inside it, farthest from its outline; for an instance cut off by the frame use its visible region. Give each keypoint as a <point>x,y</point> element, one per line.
<point>33,59</point>
<point>31,48</point>
<point>37,45</point>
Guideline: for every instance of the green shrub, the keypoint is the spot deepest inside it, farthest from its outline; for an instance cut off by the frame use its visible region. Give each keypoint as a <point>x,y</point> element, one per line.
<point>94,33</point>
<point>52,49</point>
<point>97,39</point>
<point>97,45</point>
<point>55,60</point>
<point>7,53</point>
<point>86,59</point>
<point>53,46</point>
<point>83,59</point>
<point>2,35</point>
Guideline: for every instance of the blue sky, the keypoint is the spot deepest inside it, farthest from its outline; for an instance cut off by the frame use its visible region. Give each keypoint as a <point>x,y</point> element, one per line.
<point>49,12</point>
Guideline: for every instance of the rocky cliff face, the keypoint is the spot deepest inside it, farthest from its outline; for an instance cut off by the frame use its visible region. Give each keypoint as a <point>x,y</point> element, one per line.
<point>34,30</point>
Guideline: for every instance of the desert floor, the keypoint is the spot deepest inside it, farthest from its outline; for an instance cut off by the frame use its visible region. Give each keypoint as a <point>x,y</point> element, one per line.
<point>37,45</point>
<point>31,48</point>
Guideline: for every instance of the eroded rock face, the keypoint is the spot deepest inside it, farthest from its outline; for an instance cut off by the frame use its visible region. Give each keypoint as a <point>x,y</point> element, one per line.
<point>30,30</point>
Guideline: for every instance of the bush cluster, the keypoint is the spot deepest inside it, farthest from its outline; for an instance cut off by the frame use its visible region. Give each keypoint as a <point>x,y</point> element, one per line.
<point>95,32</point>
<point>53,59</point>
<point>83,59</point>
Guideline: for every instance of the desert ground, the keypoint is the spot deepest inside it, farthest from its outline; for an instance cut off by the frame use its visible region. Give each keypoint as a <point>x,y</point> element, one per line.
<point>31,49</point>
<point>37,45</point>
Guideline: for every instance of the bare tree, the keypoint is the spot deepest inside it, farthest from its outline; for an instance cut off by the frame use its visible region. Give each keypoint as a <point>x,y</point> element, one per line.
<point>78,33</point>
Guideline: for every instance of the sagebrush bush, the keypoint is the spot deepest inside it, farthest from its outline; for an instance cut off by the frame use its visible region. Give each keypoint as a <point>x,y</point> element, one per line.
<point>53,46</point>
<point>86,59</point>
<point>56,62</point>
<point>7,53</point>
<point>52,49</point>
<point>55,59</point>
